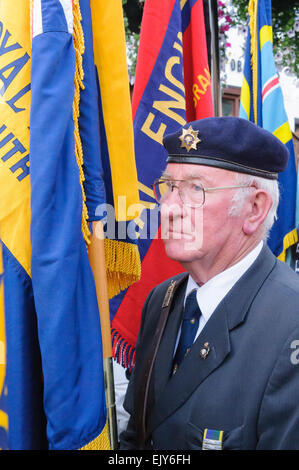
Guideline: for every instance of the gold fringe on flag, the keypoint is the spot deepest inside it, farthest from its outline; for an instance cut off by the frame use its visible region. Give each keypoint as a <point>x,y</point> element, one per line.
<point>99,443</point>
<point>122,264</point>
<point>79,46</point>
<point>289,239</point>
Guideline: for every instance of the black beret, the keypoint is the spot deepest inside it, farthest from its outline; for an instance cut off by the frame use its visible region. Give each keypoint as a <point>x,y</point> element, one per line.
<point>230,143</point>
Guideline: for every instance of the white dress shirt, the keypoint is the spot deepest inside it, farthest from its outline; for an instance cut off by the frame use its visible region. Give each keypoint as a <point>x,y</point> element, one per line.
<point>210,294</point>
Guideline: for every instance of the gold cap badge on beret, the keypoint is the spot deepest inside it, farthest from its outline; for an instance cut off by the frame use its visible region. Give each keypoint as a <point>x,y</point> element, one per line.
<point>189,139</point>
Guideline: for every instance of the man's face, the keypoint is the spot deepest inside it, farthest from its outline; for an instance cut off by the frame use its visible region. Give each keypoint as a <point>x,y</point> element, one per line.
<point>191,234</point>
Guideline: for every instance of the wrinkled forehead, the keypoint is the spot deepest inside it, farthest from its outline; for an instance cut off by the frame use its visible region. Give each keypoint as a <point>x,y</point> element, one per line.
<point>207,174</point>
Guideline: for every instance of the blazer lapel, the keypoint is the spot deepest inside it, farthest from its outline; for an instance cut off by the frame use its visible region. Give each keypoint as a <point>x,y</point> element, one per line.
<point>171,393</point>
<point>194,369</point>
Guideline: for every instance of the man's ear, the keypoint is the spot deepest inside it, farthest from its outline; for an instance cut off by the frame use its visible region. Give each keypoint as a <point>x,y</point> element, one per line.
<point>259,204</point>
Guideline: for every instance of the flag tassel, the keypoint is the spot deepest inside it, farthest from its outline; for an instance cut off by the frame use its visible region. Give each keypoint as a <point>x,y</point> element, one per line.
<point>123,352</point>
<point>123,265</point>
<point>289,240</point>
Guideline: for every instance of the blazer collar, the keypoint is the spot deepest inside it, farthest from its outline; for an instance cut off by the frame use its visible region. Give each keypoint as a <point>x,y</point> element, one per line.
<point>241,296</point>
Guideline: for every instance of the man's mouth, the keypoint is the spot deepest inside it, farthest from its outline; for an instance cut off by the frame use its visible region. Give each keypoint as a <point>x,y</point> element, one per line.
<point>173,234</point>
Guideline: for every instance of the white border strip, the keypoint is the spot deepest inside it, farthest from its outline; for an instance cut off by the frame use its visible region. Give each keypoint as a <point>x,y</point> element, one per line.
<point>273,87</point>
<point>270,80</point>
<point>270,91</point>
<point>37,21</point>
<point>67,6</point>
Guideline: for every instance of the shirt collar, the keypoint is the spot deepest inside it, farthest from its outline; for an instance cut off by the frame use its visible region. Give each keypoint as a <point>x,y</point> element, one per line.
<point>210,294</point>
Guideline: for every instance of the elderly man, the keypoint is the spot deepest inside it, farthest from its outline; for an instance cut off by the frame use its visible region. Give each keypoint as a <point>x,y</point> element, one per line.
<point>218,349</point>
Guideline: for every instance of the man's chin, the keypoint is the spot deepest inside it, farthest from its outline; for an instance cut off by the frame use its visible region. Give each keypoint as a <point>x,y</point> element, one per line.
<point>182,250</point>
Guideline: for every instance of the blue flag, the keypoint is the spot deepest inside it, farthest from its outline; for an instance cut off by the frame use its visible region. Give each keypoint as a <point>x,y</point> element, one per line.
<point>51,384</point>
<point>63,149</point>
<point>21,390</point>
<point>262,103</point>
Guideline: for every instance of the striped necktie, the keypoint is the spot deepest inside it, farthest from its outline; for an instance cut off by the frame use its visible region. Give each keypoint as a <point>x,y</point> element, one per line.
<point>189,328</point>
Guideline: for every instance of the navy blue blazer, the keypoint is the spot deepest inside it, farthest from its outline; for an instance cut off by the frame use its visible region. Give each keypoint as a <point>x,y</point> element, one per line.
<point>247,386</point>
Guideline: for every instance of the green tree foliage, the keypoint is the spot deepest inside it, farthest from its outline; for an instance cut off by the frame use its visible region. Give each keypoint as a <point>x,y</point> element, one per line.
<point>132,18</point>
<point>285,22</point>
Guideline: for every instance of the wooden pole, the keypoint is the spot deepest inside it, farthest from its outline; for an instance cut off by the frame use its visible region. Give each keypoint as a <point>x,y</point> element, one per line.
<point>96,253</point>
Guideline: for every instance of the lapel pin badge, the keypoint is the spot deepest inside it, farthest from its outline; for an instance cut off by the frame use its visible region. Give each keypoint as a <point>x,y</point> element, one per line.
<point>204,351</point>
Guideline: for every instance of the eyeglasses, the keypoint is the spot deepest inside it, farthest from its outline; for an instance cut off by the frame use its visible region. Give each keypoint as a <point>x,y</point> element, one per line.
<point>192,192</point>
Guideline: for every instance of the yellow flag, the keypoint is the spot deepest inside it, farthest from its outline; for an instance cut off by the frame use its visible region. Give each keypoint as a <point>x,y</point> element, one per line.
<point>14,128</point>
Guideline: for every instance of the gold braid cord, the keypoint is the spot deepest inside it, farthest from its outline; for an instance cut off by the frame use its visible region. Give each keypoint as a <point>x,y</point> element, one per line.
<point>78,39</point>
<point>252,10</point>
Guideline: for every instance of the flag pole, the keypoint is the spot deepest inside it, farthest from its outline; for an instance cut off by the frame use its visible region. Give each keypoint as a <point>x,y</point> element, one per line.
<point>96,253</point>
<point>214,54</point>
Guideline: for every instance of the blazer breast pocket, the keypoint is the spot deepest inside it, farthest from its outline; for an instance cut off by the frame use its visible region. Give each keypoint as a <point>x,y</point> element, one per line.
<point>232,439</point>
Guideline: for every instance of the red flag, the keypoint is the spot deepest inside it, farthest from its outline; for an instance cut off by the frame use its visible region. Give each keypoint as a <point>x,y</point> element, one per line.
<point>197,78</point>
<point>172,85</point>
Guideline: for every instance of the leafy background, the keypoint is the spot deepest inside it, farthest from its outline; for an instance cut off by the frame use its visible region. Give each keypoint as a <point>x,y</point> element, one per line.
<point>231,13</point>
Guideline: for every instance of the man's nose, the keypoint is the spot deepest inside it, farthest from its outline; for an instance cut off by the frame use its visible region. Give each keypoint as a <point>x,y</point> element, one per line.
<point>172,207</point>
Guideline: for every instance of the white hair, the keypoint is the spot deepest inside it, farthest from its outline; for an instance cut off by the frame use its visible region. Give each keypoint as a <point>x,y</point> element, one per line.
<point>238,200</point>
